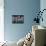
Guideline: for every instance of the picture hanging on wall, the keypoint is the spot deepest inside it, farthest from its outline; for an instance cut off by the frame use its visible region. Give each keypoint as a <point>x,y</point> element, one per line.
<point>17,19</point>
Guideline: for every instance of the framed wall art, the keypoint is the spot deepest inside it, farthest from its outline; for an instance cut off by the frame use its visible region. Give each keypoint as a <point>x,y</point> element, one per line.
<point>16,19</point>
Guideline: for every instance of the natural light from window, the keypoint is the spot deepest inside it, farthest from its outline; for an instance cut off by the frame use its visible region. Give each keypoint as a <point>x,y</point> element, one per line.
<point>1,20</point>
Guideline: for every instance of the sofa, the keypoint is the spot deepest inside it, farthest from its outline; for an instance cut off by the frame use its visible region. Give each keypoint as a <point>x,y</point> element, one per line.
<point>39,33</point>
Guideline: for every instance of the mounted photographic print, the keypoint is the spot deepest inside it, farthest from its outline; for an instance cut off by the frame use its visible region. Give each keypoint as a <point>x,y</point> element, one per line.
<point>17,19</point>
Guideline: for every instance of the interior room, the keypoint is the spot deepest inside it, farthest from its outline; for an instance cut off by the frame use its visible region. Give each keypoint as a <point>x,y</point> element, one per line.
<point>22,22</point>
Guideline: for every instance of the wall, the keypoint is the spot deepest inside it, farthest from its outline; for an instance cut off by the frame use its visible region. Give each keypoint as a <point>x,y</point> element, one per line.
<point>13,32</point>
<point>1,20</point>
<point>43,6</point>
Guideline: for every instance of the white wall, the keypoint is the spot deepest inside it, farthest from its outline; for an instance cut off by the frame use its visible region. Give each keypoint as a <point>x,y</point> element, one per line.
<point>1,20</point>
<point>43,6</point>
